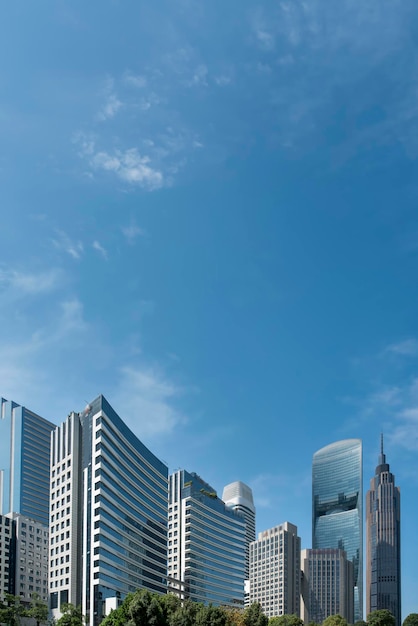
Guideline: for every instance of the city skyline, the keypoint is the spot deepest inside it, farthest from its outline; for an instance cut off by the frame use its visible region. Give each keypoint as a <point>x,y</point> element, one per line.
<point>209,214</point>
<point>338,452</point>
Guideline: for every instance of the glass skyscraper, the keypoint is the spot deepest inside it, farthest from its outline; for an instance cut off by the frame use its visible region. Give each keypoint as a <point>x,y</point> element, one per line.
<point>108,532</point>
<point>337,506</point>
<point>206,543</point>
<point>24,462</point>
<point>383,522</point>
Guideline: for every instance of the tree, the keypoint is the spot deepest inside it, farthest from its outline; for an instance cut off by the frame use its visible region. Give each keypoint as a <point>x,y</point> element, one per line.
<point>71,616</point>
<point>381,617</point>
<point>11,610</point>
<point>121,615</point>
<point>38,610</point>
<point>211,616</point>
<point>285,620</point>
<point>185,615</point>
<point>411,620</point>
<point>334,620</point>
<point>254,616</point>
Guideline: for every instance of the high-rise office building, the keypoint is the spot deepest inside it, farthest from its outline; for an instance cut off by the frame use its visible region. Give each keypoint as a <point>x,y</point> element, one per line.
<point>383,521</point>
<point>275,570</point>
<point>23,558</point>
<point>327,586</point>
<point>7,552</point>
<point>337,506</point>
<point>24,462</point>
<point>108,530</point>
<point>206,543</point>
<point>239,497</point>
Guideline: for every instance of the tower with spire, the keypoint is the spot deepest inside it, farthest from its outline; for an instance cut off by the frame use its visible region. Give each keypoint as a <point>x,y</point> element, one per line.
<point>383,565</point>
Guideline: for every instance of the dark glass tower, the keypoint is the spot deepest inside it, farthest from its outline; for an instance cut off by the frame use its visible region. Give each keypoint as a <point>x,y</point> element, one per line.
<point>337,506</point>
<point>24,462</point>
<point>383,520</point>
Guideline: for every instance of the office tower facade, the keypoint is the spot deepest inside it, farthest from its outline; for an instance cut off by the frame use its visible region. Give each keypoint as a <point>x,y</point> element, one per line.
<point>327,586</point>
<point>239,497</point>
<point>206,543</point>
<point>7,565</point>
<point>24,462</point>
<point>23,558</point>
<point>275,570</point>
<point>383,521</point>
<point>337,506</point>
<point>108,530</point>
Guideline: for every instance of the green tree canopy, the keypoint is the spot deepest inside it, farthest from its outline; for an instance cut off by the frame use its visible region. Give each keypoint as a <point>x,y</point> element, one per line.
<point>254,616</point>
<point>11,610</point>
<point>411,620</point>
<point>382,617</point>
<point>211,616</point>
<point>334,620</point>
<point>71,616</point>
<point>285,620</point>
<point>38,610</point>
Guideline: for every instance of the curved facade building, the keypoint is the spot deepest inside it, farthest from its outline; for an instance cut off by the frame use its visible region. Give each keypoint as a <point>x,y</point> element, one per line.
<point>239,497</point>
<point>337,506</point>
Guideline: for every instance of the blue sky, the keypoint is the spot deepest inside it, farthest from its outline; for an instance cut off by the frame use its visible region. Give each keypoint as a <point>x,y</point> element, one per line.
<point>208,214</point>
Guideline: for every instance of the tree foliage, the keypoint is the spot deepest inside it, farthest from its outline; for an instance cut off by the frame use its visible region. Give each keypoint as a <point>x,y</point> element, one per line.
<point>254,616</point>
<point>38,610</point>
<point>411,620</point>
<point>334,620</point>
<point>11,610</point>
<point>71,616</point>
<point>382,617</point>
<point>285,620</point>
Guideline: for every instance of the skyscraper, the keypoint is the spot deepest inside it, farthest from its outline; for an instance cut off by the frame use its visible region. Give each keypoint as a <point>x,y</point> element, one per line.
<point>24,462</point>
<point>337,506</point>
<point>327,585</point>
<point>275,570</point>
<point>239,497</point>
<point>108,532</point>
<point>383,521</point>
<point>206,543</point>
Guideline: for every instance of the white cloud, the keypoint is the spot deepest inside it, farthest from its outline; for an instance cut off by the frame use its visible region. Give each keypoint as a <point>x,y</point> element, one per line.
<point>135,80</point>
<point>63,242</point>
<point>130,167</point>
<point>199,76</point>
<point>99,248</point>
<point>29,283</point>
<point>408,347</point>
<point>131,232</point>
<point>72,318</point>
<point>396,407</point>
<point>145,397</point>
<point>111,104</point>
<point>109,108</point>
<point>265,39</point>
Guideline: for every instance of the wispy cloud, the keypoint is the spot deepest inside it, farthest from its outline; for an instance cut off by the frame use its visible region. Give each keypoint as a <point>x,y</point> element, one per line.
<point>128,165</point>
<point>132,232</point>
<point>111,105</point>
<point>100,249</point>
<point>29,283</point>
<point>146,398</point>
<point>135,80</point>
<point>63,242</point>
<point>396,409</point>
<point>199,76</point>
<point>407,347</point>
